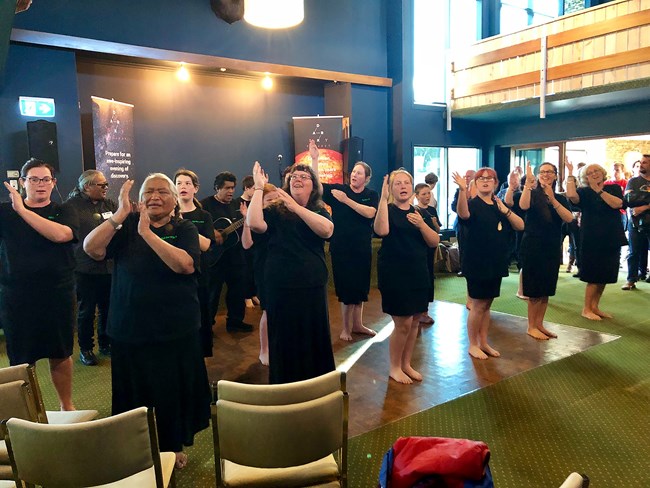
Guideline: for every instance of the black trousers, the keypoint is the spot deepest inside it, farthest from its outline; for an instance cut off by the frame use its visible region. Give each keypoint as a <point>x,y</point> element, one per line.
<point>229,270</point>
<point>93,293</point>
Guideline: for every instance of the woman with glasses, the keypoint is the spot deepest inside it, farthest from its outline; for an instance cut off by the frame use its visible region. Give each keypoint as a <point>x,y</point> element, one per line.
<point>487,225</point>
<point>93,278</point>
<point>541,244</point>
<point>155,315</point>
<point>402,271</point>
<point>601,233</point>
<point>37,276</point>
<point>353,210</point>
<point>295,275</point>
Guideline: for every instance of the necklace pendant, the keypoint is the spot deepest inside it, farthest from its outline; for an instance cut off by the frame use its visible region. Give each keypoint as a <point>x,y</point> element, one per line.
<point>499,226</point>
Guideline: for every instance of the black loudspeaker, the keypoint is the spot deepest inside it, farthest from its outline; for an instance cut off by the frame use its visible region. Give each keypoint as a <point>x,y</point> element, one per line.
<point>42,142</point>
<point>352,152</point>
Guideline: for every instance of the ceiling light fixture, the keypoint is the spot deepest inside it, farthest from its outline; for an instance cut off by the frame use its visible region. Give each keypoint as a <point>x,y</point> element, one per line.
<point>274,14</point>
<point>267,82</point>
<point>182,73</point>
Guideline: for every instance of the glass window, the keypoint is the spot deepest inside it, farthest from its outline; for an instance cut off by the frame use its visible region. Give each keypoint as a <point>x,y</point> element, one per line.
<point>519,14</point>
<point>443,162</point>
<point>437,26</point>
<point>513,19</point>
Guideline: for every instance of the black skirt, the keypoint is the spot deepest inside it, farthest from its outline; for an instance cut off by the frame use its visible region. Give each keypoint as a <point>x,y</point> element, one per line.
<point>598,265</point>
<point>401,302</point>
<point>39,323</point>
<point>300,345</point>
<point>169,376</point>
<point>351,270</point>
<point>483,289</point>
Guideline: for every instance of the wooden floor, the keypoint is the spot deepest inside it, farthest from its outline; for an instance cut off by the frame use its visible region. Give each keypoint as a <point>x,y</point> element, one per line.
<point>440,355</point>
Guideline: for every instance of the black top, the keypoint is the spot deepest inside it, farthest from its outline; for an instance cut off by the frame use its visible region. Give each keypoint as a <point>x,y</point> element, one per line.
<point>637,184</point>
<point>231,212</point>
<point>29,259</point>
<point>349,226</point>
<point>601,224</point>
<point>91,214</point>
<point>202,220</point>
<point>149,301</point>
<point>295,255</point>
<point>486,241</point>
<point>430,213</point>
<point>403,253</point>
<point>543,224</point>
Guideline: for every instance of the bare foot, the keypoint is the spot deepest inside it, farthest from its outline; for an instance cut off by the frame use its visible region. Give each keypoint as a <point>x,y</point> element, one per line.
<point>547,332</point>
<point>590,315</point>
<point>181,460</point>
<point>489,350</point>
<point>362,329</point>
<point>264,358</point>
<point>400,376</point>
<point>345,336</point>
<point>604,315</point>
<point>476,352</point>
<point>537,334</point>
<point>412,373</point>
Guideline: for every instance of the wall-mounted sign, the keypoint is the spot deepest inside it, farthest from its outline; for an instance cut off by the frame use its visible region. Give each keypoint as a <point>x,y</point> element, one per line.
<point>36,107</point>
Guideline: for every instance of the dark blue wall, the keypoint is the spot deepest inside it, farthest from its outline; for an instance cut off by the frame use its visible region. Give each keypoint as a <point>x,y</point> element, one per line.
<point>337,35</point>
<point>209,124</point>
<point>39,72</point>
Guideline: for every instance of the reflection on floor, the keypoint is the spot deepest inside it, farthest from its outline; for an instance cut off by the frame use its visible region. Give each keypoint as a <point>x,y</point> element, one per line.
<point>440,355</point>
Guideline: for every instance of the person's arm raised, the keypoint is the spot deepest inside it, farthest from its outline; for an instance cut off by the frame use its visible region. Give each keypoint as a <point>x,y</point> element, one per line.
<point>97,241</point>
<point>255,214</point>
<point>380,225</point>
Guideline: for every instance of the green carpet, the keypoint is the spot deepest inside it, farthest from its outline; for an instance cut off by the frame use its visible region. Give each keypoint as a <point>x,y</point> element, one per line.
<point>587,413</point>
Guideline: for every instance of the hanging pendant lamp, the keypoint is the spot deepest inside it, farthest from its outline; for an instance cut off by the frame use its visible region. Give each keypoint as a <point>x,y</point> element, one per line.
<point>274,14</point>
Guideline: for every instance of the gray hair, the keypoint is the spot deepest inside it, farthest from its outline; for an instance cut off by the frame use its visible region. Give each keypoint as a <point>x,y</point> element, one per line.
<point>86,179</point>
<point>586,169</point>
<point>159,176</point>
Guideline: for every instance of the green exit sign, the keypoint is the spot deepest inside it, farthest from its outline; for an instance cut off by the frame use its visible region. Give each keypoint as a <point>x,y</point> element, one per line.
<point>36,107</point>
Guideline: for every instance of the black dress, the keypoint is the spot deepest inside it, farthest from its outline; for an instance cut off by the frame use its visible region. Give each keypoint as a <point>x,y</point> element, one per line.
<point>295,276</point>
<point>402,271</point>
<point>486,256</point>
<point>202,220</point>
<point>37,298</point>
<point>351,243</point>
<point>601,236</point>
<point>541,245</point>
<point>259,251</point>
<point>154,324</point>
<point>430,213</point>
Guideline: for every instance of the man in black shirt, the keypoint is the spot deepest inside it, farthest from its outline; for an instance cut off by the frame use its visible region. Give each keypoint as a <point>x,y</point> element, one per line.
<point>93,278</point>
<point>229,266</point>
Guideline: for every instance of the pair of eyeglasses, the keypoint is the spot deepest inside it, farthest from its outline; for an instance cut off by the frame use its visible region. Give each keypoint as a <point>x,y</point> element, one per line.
<point>485,178</point>
<point>101,185</point>
<point>545,172</point>
<point>300,177</point>
<point>35,180</point>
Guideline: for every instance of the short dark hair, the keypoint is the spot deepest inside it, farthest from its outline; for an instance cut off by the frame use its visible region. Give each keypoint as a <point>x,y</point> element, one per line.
<point>221,179</point>
<point>247,182</point>
<point>419,187</point>
<point>431,179</point>
<point>35,163</point>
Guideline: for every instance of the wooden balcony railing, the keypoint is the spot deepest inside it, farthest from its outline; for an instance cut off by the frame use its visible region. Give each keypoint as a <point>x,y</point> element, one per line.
<point>603,45</point>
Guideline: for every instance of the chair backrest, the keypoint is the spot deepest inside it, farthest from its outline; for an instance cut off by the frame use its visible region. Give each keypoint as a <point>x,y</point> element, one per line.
<point>284,394</point>
<point>280,436</point>
<point>84,454</point>
<point>27,373</point>
<point>15,401</point>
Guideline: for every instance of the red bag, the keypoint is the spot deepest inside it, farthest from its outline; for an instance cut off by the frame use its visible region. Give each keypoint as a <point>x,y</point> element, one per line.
<point>454,460</point>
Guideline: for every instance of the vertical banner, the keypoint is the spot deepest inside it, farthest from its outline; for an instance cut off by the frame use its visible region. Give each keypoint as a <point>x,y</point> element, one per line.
<point>113,133</point>
<point>328,134</point>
